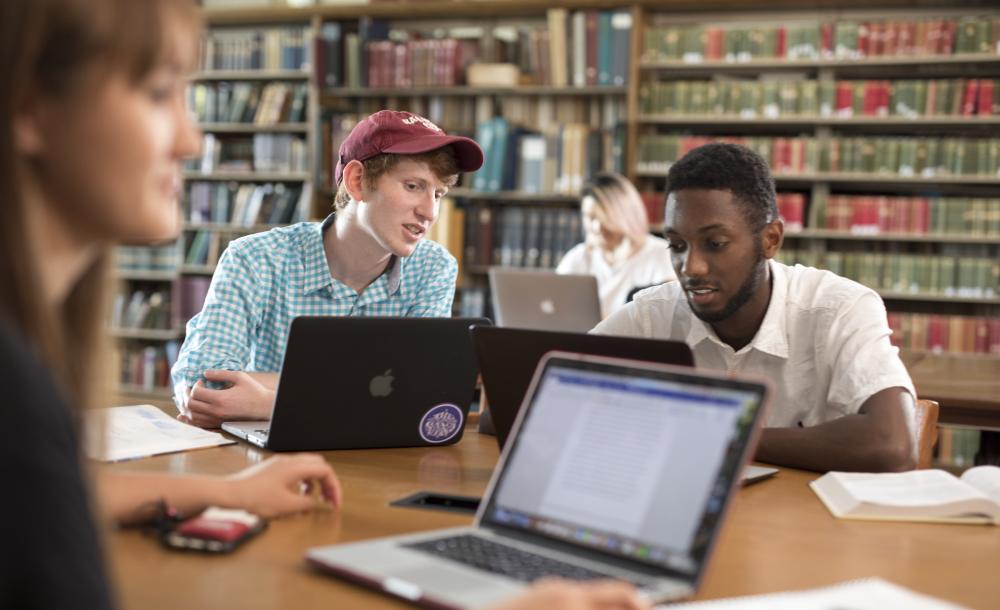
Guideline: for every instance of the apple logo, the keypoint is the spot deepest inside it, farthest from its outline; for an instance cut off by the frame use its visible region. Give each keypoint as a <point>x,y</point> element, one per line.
<point>547,306</point>
<point>381,385</point>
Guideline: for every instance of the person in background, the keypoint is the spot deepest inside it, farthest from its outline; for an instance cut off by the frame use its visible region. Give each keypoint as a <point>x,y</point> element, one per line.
<point>617,249</point>
<point>843,399</point>
<point>368,258</point>
<point>93,130</point>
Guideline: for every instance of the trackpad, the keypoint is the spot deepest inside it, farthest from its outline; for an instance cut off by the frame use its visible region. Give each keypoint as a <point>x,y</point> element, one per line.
<point>440,577</point>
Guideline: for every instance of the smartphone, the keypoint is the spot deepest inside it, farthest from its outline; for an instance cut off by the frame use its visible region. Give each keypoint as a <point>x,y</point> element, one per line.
<point>216,530</point>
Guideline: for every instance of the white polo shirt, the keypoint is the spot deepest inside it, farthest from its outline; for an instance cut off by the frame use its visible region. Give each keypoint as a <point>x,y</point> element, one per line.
<point>824,342</point>
<point>650,265</point>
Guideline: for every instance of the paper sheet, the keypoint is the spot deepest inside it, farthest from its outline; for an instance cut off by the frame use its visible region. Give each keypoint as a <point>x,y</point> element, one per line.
<point>142,431</point>
<point>867,594</point>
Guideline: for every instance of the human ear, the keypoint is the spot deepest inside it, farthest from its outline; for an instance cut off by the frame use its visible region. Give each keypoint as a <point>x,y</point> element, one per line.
<point>773,236</point>
<point>354,173</point>
<point>28,139</point>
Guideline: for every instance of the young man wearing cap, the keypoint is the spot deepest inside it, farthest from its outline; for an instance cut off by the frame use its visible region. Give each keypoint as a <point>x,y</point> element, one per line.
<point>843,399</point>
<point>368,258</point>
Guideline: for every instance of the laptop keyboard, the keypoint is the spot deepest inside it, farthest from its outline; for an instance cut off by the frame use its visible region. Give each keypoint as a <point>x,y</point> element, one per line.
<point>502,559</point>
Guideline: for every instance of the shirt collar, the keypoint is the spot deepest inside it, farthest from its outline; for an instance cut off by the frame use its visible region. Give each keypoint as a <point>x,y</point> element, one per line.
<point>317,269</point>
<point>772,336</point>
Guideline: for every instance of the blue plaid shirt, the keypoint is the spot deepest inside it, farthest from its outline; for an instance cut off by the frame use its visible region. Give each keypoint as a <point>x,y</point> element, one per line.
<point>263,281</point>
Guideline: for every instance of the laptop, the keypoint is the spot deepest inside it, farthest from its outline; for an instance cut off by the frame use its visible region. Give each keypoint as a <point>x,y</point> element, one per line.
<point>544,300</point>
<point>507,359</point>
<point>361,383</point>
<point>615,468</point>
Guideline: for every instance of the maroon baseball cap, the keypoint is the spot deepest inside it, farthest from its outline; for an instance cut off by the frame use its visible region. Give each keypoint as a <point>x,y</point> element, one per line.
<point>404,133</point>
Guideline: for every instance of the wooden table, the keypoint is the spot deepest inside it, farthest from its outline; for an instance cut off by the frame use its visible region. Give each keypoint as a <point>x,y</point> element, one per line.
<point>778,536</point>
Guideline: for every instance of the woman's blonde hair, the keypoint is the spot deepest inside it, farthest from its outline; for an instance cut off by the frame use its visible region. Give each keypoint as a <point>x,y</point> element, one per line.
<point>619,207</point>
<point>54,49</point>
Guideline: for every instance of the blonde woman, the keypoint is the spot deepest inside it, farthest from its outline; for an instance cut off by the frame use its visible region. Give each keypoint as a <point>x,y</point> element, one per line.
<point>617,249</point>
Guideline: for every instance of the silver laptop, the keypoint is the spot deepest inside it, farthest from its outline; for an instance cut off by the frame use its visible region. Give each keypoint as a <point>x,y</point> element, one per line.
<point>359,383</point>
<point>544,300</point>
<point>616,468</point>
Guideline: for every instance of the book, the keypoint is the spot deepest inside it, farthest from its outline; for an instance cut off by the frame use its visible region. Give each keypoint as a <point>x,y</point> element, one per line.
<point>128,433</point>
<point>864,594</point>
<point>918,495</point>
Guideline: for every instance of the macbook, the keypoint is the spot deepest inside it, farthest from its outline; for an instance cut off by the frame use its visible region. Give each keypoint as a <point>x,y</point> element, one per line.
<point>357,383</point>
<point>615,468</point>
<point>544,300</point>
<point>507,359</point>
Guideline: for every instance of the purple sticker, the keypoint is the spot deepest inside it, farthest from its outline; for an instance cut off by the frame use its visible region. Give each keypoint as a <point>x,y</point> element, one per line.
<point>441,423</point>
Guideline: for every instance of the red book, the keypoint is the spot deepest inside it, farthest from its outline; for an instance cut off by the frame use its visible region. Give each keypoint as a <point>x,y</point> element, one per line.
<point>654,203</point>
<point>984,107</point>
<point>890,38</point>
<point>845,98</point>
<point>995,336</point>
<point>866,37</point>
<point>947,39</point>
<point>715,43</point>
<point>884,98</point>
<point>937,334</point>
<point>871,98</point>
<point>781,43</point>
<point>970,97</point>
<point>982,340</point>
<point>922,221</point>
<point>826,39</point>
<point>590,27</point>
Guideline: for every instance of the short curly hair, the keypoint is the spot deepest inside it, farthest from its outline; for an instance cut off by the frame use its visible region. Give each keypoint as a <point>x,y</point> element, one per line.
<point>732,168</point>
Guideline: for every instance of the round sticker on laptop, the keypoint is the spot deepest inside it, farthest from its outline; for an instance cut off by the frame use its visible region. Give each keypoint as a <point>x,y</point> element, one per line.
<point>441,423</point>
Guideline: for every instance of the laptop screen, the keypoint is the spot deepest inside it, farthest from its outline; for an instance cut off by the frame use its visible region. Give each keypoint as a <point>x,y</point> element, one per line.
<point>633,462</point>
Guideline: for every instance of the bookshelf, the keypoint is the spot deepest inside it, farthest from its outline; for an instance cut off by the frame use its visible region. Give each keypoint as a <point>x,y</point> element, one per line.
<point>255,104</point>
<point>461,108</point>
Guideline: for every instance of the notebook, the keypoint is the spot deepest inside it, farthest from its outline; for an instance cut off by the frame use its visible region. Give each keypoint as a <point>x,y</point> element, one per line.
<point>359,383</point>
<point>544,300</point>
<point>615,469</point>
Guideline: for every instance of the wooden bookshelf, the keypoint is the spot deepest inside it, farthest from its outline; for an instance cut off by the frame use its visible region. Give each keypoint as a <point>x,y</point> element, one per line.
<point>797,121</point>
<point>759,65</point>
<point>147,334</point>
<point>893,237</point>
<point>330,95</point>
<point>146,275</point>
<point>248,176</point>
<point>260,75</point>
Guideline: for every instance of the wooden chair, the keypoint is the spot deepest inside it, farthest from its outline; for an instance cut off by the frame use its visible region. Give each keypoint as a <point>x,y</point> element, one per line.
<point>927,433</point>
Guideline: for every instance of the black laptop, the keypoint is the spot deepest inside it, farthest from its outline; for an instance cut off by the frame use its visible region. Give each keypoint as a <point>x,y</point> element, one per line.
<point>508,357</point>
<point>360,383</point>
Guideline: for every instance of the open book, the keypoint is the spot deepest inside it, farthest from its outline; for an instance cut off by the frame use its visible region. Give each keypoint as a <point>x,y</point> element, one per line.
<point>918,495</point>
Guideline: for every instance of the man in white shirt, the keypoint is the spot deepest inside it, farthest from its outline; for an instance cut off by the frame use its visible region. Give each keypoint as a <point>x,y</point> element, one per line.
<point>844,400</point>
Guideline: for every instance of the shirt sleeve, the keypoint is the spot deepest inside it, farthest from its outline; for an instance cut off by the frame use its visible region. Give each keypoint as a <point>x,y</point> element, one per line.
<point>436,288</point>
<point>624,322</point>
<point>221,335</point>
<point>861,358</point>
<point>573,261</point>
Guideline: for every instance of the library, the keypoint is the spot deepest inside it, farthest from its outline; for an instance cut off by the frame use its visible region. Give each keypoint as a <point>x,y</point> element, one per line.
<point>878,122</point>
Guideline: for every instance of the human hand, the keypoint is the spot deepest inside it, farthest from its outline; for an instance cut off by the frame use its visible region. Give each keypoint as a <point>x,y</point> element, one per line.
<point>565,595</point>
<point>245,398</point>
<point>284,484</point>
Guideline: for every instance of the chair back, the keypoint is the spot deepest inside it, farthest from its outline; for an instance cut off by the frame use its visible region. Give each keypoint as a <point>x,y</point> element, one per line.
<point>927,432</point>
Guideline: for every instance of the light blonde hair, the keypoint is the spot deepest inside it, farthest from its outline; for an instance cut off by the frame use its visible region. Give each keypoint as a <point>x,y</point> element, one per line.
<point>619,207</point>
<point>54,49</point>
<point>441,161</point>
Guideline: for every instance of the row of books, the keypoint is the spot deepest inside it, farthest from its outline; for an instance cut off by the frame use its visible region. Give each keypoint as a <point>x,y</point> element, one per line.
<point>203,247</point>
<point>915,274</point>
<point>246,102</point>
<point>580,48</point>
<point>147,366</point>
<point>946,333</point>
<point>875,214</point>
<point>559,160</point>
<point>963,447</point>
<point>902,156</point>
<point>790,97</point>
<point>246,204</point>
<point>145,258</point>
<point>261,152</point>
<point>272,48</point>
<point>520,236</point>
<point>141,307</point>
<point>813,40</point>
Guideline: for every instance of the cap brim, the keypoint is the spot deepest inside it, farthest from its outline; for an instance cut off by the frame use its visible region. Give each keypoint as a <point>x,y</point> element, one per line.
<point>468,154</point>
